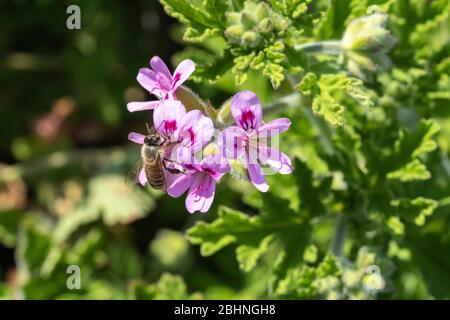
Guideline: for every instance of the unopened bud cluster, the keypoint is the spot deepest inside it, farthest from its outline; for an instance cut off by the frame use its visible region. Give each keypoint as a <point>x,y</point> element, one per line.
<point>256,21</point>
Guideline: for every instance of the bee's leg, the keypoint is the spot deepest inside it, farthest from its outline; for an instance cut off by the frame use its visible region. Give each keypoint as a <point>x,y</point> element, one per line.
<point>171,170</point>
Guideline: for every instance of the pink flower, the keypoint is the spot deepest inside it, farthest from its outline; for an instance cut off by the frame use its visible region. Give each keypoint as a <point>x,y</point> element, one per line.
<point>248,140</point>
<point>183,133</point>
<point>200,180</point>
<point>168,119</point>
<point>160,82</point>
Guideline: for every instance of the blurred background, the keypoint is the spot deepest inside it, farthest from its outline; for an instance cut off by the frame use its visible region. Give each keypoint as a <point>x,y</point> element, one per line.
<point>64,154</point>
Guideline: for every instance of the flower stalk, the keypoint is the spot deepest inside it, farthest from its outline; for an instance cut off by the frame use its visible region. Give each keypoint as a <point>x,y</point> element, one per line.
<point>330,46</point>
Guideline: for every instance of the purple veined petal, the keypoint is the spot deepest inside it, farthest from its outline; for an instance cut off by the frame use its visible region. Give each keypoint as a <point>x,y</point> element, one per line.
<point>277,160</point>
<point>256,175</point>
<point>186,132</point>
<point>136,137</point>
<point>140,106</point>
<point>148,79</point>
<point>246,110</point>
<point>180,185</point>
<point>196,131</point>
<point>274,127</point>
<point>142,178</point>
<point>182,72</point>
<point>232,142</point>
<point>201,193</point>
<point>215,165</point>
<point>160,66</point>
<point>167,117</point>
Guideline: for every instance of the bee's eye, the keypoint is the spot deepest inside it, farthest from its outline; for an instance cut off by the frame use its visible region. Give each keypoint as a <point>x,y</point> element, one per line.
<point>146,140</point>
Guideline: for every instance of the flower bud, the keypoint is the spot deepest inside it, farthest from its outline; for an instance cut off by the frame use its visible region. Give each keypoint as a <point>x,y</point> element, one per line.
<point>266,25</point>
<point>251,39</point>
<point>281,24</point>
<point>210,111</point>
<point>224,116</point>
<point>235,32</point>
<point>261,11</point>
<point>368,34</point>
<point>239,169</point>
<point>189,98</point>
<point>233,17</point>
<point>211,149</point>
<point>247,20</point>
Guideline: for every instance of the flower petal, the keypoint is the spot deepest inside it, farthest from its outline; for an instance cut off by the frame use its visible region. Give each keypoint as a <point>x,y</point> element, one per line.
<point>148,79</point>
<point>231,142</point>
<point>167,118</point>
<point>277,160</point>
<point>145,105</point>
<point>256,174</point>
<point>274,127</point>
<point>180,185</point>
<point>142,178</point>
<point>160,66</point>
<point>196,130</point>
<point>215,165</point>
<point>246,110</point>
<point>201,193</point>
<point>182,72</point>
<point>136,137</point>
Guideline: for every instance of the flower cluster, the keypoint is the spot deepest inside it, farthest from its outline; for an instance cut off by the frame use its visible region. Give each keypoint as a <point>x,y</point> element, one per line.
<point>200,153</point>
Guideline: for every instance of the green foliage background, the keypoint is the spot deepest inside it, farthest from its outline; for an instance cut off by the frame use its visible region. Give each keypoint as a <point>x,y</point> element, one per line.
<point>371,183</point>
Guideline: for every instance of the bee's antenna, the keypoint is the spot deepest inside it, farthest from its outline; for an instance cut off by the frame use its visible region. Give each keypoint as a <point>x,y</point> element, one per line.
<point>148,128</point>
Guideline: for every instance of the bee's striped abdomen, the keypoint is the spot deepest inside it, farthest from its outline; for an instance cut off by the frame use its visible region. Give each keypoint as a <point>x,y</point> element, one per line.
<point>154,173</point>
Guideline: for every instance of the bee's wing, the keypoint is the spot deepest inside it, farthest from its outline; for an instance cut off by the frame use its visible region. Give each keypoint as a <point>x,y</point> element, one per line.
<point>133,174</point>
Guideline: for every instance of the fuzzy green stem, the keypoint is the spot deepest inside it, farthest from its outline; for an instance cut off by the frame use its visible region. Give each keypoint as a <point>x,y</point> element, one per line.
<point>331,47</point>
<point>340,232</point>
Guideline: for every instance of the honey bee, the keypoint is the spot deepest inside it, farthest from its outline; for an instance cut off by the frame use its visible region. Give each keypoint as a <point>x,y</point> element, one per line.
<point>153,161</point>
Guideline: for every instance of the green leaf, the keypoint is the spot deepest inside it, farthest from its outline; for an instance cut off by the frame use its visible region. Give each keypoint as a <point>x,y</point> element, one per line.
<point>429,254</point>
<point>204,21</point>
<point>124,261</point>
<point>168,287</point>
<point>215,69</point>
<point>410,145</point>
<point>308,283</point>
<point>311,196</point>
<point>332,26</point>
<point>430,37</point>
<point>328,93</point>
<point>109,198</point>
<point>231,226</point>
<point>416,210</point>
<point>187,12</point>
<point>253,235</point>
<point>248,256</point>
<point>9,223</point>
<point>414,170</point>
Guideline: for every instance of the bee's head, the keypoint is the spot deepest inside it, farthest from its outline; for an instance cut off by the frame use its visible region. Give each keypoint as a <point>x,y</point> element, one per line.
<point>154,140</point>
